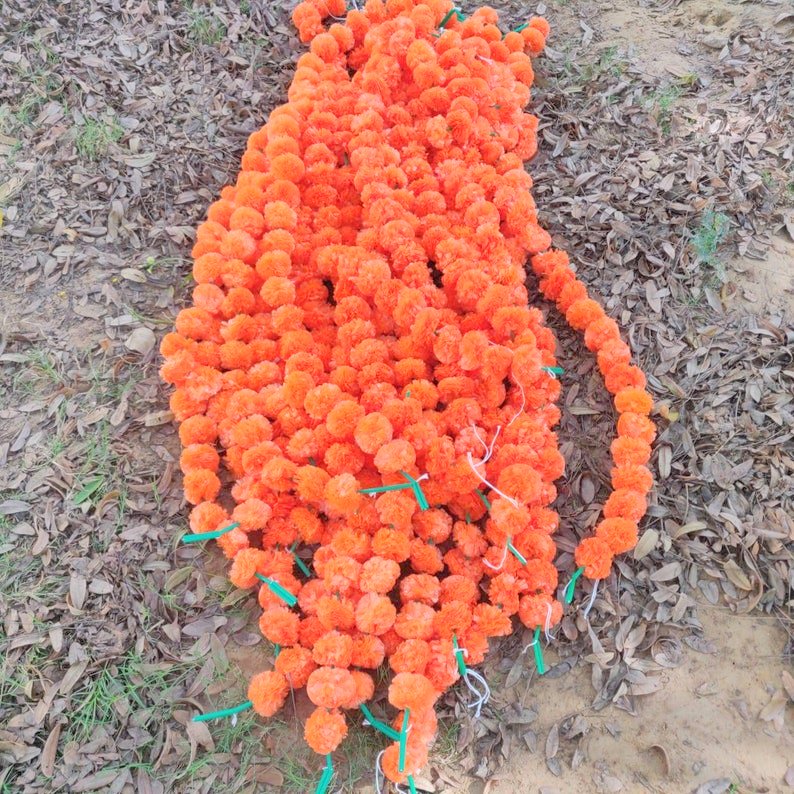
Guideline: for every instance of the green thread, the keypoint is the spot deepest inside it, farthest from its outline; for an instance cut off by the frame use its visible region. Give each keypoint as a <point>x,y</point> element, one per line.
<point>484,499</point>
<point>386,730</point>
<point>569,588</point>
<point>411,784</point>
<point>538,653</point>
<point>459,656</point>
<point>216,715</point>
<point>209,535</point>
<point>298,561</point>
<point>403,741</point>
<point>328,773</point>
<point>278,589</point>
<point>515,552</point>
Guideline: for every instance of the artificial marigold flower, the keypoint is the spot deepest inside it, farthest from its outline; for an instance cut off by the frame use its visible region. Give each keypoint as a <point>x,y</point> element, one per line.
<point>539,610</point>
<point>201,485</point>
<point>378,575</point>
<point>330,687</point>
<point>635,477</point>
<point>296,665</point>
<point>368,651</point>
<point>279,625</point>
<point>375,614</point>
<point>325,730</point>
<point>267,692</point>
<point>595,556</point>
<point>619,532</point>
<point>410,656</point>
<point>626,503</point>
<point>333,649</point>
<point>412,691</point>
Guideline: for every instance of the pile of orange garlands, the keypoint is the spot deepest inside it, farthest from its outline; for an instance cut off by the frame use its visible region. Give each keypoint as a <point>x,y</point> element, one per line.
<point>362,359</point>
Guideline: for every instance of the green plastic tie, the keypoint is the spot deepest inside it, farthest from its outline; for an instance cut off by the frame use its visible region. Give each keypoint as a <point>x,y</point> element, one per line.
<point>276,650</point>
<point>403,741</point>
<point>553,371</point>
<point>328,773</point>
<point>569,588</point>
<point>312,461</point>
<point>484,499</point>
<point>280,591</point>
<point>209,535</point>
<point>386,730</point>
<point>539,663</point>
<point>452,12</point>
<point>520,28</point>
<point>400,486</point>
<point>515,552</point>
<point>459,656</point>
<point>408,393</point>
<point>217,715</point>
<point>417,489</point>
<point>411,784</point>
<point>298,561</point>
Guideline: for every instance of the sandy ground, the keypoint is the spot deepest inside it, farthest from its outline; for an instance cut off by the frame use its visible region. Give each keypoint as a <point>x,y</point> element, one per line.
<point>718,718</point>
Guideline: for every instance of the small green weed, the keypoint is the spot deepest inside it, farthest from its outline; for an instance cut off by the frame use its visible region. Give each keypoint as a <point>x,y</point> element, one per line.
<point>204,28</point>
<point>131,685</point>
<point>708,237</point>
<point>661,104</point>
<point>95,137</point>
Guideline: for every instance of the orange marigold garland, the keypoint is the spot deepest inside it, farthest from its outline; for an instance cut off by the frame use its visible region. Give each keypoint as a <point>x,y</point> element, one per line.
<point>362,370</point>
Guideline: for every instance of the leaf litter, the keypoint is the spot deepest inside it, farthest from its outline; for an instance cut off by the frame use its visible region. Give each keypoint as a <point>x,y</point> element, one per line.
<point>118,125</point>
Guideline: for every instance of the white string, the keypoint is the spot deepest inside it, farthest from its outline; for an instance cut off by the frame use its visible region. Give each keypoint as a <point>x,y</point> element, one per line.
<point>523,405</point>
<point>380,778</point>
<point>477,436</point>
<point>460,650</point>
<point>527,647</point>
<point>482,697</point>
<point>592,599</point>
<point>485,482</point>
<point>549,638</point>
<point>501,564</point>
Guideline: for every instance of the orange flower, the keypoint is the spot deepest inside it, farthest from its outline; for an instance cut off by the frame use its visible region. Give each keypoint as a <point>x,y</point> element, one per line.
<point>378,575</point>
<point>620,533</point>
<point>267,692</point>
<point>375,614</point>
<point>595,555</point>
<point>412,691</point>
<point>333,649</point>
<point>296,665</point>
<point>280,625</point>
<point>331,687</point>
<point>325,730</point>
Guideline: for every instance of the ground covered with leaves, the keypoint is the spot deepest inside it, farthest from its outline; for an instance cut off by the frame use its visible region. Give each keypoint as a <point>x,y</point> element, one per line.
<point>666,172</point>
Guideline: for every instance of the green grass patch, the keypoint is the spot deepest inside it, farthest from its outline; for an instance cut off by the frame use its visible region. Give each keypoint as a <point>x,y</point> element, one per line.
<point>204,28</point>
<point>707,239</point>
<point>95,136</point>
